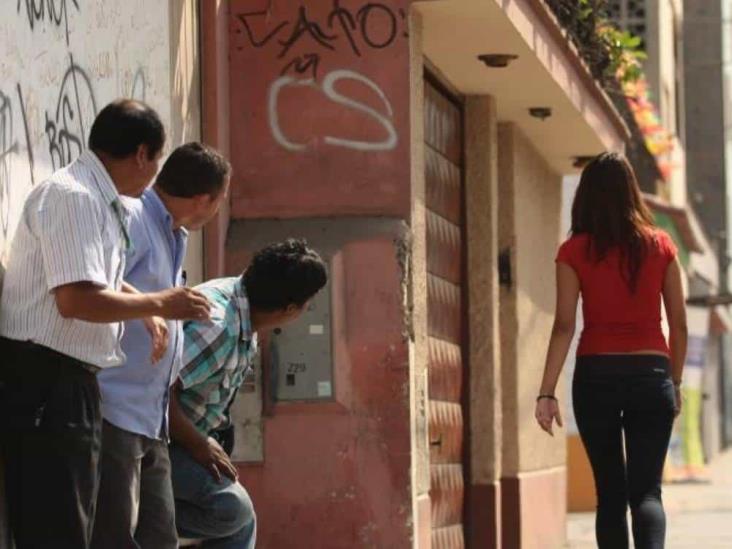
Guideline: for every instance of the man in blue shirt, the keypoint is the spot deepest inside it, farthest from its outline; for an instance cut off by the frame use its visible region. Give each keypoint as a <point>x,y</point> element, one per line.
<point>135,505</point>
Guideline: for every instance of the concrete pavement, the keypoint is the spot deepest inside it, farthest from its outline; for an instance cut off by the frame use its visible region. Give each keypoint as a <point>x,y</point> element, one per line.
<point>698,515</point>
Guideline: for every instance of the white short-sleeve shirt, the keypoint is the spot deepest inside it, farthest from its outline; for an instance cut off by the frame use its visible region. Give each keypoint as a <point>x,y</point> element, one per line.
<point>73,229</point>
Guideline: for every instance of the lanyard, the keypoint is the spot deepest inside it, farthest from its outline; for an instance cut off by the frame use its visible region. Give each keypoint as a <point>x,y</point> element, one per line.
<point>116,206</point>
<point>117,209</point>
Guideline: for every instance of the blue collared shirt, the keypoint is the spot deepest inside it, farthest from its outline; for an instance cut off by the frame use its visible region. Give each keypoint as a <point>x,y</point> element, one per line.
<point>135,395</point>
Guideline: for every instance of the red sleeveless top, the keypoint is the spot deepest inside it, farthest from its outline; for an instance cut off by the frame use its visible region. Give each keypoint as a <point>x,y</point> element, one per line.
<point>615,319</point>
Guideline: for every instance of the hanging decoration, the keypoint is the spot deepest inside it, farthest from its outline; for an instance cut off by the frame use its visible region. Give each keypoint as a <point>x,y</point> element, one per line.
<point>658,140</point>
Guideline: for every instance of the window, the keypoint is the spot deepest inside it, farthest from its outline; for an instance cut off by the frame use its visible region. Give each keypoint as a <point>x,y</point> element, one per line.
<point>629,15</point>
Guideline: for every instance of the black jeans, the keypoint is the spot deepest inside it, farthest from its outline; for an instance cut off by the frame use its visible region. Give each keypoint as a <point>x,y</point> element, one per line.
<point>50,423</point>
<point>631,395</point>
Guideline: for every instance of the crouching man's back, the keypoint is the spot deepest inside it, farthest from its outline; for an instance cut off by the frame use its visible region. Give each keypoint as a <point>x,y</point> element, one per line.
<point>275,289</point>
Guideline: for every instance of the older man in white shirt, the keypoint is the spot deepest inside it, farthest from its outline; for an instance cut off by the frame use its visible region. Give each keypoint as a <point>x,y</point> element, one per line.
<point>61,317</point>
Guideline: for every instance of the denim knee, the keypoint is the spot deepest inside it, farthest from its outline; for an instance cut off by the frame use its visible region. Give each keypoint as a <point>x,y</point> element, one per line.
<point>233,510</point>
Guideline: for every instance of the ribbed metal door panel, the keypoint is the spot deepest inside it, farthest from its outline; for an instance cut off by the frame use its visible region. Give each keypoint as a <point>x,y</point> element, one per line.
<point>444,196</point>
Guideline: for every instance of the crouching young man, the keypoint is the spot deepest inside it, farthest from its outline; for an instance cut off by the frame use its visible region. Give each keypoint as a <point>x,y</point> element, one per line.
<point>276,287</point>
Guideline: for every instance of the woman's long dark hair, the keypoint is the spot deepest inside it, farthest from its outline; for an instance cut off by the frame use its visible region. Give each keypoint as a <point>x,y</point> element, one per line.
<point>609,208</point>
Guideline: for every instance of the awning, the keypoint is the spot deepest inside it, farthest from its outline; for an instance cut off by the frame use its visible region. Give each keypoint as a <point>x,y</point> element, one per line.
<point>548,73</point>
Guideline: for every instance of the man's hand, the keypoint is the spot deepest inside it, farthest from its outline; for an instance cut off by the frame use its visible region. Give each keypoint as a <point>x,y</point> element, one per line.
<point>158,330</point>
<point>183,304</point>
<point>213,457</point>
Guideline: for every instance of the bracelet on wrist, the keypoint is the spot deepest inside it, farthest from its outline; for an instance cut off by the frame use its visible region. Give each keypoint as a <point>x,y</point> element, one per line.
<point>549,397</point>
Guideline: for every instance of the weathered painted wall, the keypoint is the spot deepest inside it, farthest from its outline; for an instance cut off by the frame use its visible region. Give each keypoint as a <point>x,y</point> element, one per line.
<point>482,205</point>
<point>419,346</point>
<point>63,60</point>
<point>348,456</point>
<point>534,477</point>
<point>185,101</point>
<point>320,136</point>
<point>538,205</point>
<point>320,108</point>
<point>531,232</point>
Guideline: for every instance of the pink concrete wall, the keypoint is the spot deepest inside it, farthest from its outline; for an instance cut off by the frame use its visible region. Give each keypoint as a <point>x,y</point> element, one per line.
<point>319,108</point>
<point>319,126</point>
<point>337,474</point>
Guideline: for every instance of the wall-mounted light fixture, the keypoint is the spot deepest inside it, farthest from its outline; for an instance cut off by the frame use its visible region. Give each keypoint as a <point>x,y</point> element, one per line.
<point>497,60</point>
<point>505,277</point>
<point>542,113</point>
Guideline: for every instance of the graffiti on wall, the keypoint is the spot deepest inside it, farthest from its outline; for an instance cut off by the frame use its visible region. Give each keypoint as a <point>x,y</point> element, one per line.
<point>302,42</point>
<point>69,68</point>
<point>372,25</point>
<point>8,146</point>
<point>328,88</point>
<point>54,12</point>
<point>320,94</point>
<point>67,125</point>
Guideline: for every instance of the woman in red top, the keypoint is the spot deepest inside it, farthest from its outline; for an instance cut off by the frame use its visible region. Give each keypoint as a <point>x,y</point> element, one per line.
<point>626,382</point>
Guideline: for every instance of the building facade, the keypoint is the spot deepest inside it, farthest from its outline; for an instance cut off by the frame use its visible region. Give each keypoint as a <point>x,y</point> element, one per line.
<point>431,180</point>
<point>705,128</point>
<point>399,411</point>
<point>679,105</point>
<point>707,67</point>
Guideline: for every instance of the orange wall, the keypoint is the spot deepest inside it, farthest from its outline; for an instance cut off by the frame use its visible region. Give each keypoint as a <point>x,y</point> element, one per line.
<point>580,483</point>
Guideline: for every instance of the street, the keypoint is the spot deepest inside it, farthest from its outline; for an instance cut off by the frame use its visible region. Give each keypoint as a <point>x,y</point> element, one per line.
<point>698,515</point>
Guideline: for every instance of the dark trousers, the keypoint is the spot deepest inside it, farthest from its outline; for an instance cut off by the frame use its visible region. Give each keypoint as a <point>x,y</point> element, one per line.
<point>51,435</point>
<point>626,398</point>
<point>135,506</point>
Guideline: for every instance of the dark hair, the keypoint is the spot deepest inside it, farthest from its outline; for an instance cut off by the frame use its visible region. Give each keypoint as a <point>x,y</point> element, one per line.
<point>609,208</point>
<point>125,124</point>
<point>284,274</point>
<point>193,169</point>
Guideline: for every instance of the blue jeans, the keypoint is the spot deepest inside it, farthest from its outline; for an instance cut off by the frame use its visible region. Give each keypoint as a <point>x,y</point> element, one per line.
<point>624,406</point>
<point>221,513</point>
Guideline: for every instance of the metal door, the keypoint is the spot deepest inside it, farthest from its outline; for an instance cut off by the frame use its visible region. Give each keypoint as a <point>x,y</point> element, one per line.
<point>445,273</point>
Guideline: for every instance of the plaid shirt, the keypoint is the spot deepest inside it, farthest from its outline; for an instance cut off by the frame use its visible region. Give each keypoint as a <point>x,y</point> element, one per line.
<point>217,354</point>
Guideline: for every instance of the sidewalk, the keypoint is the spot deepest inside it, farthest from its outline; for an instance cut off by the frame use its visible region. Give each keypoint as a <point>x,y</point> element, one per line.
<point>698,515</point>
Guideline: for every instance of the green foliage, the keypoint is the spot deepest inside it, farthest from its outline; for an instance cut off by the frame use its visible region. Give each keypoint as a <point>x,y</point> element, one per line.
<point>612,55</point>
<point>625,53</point>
